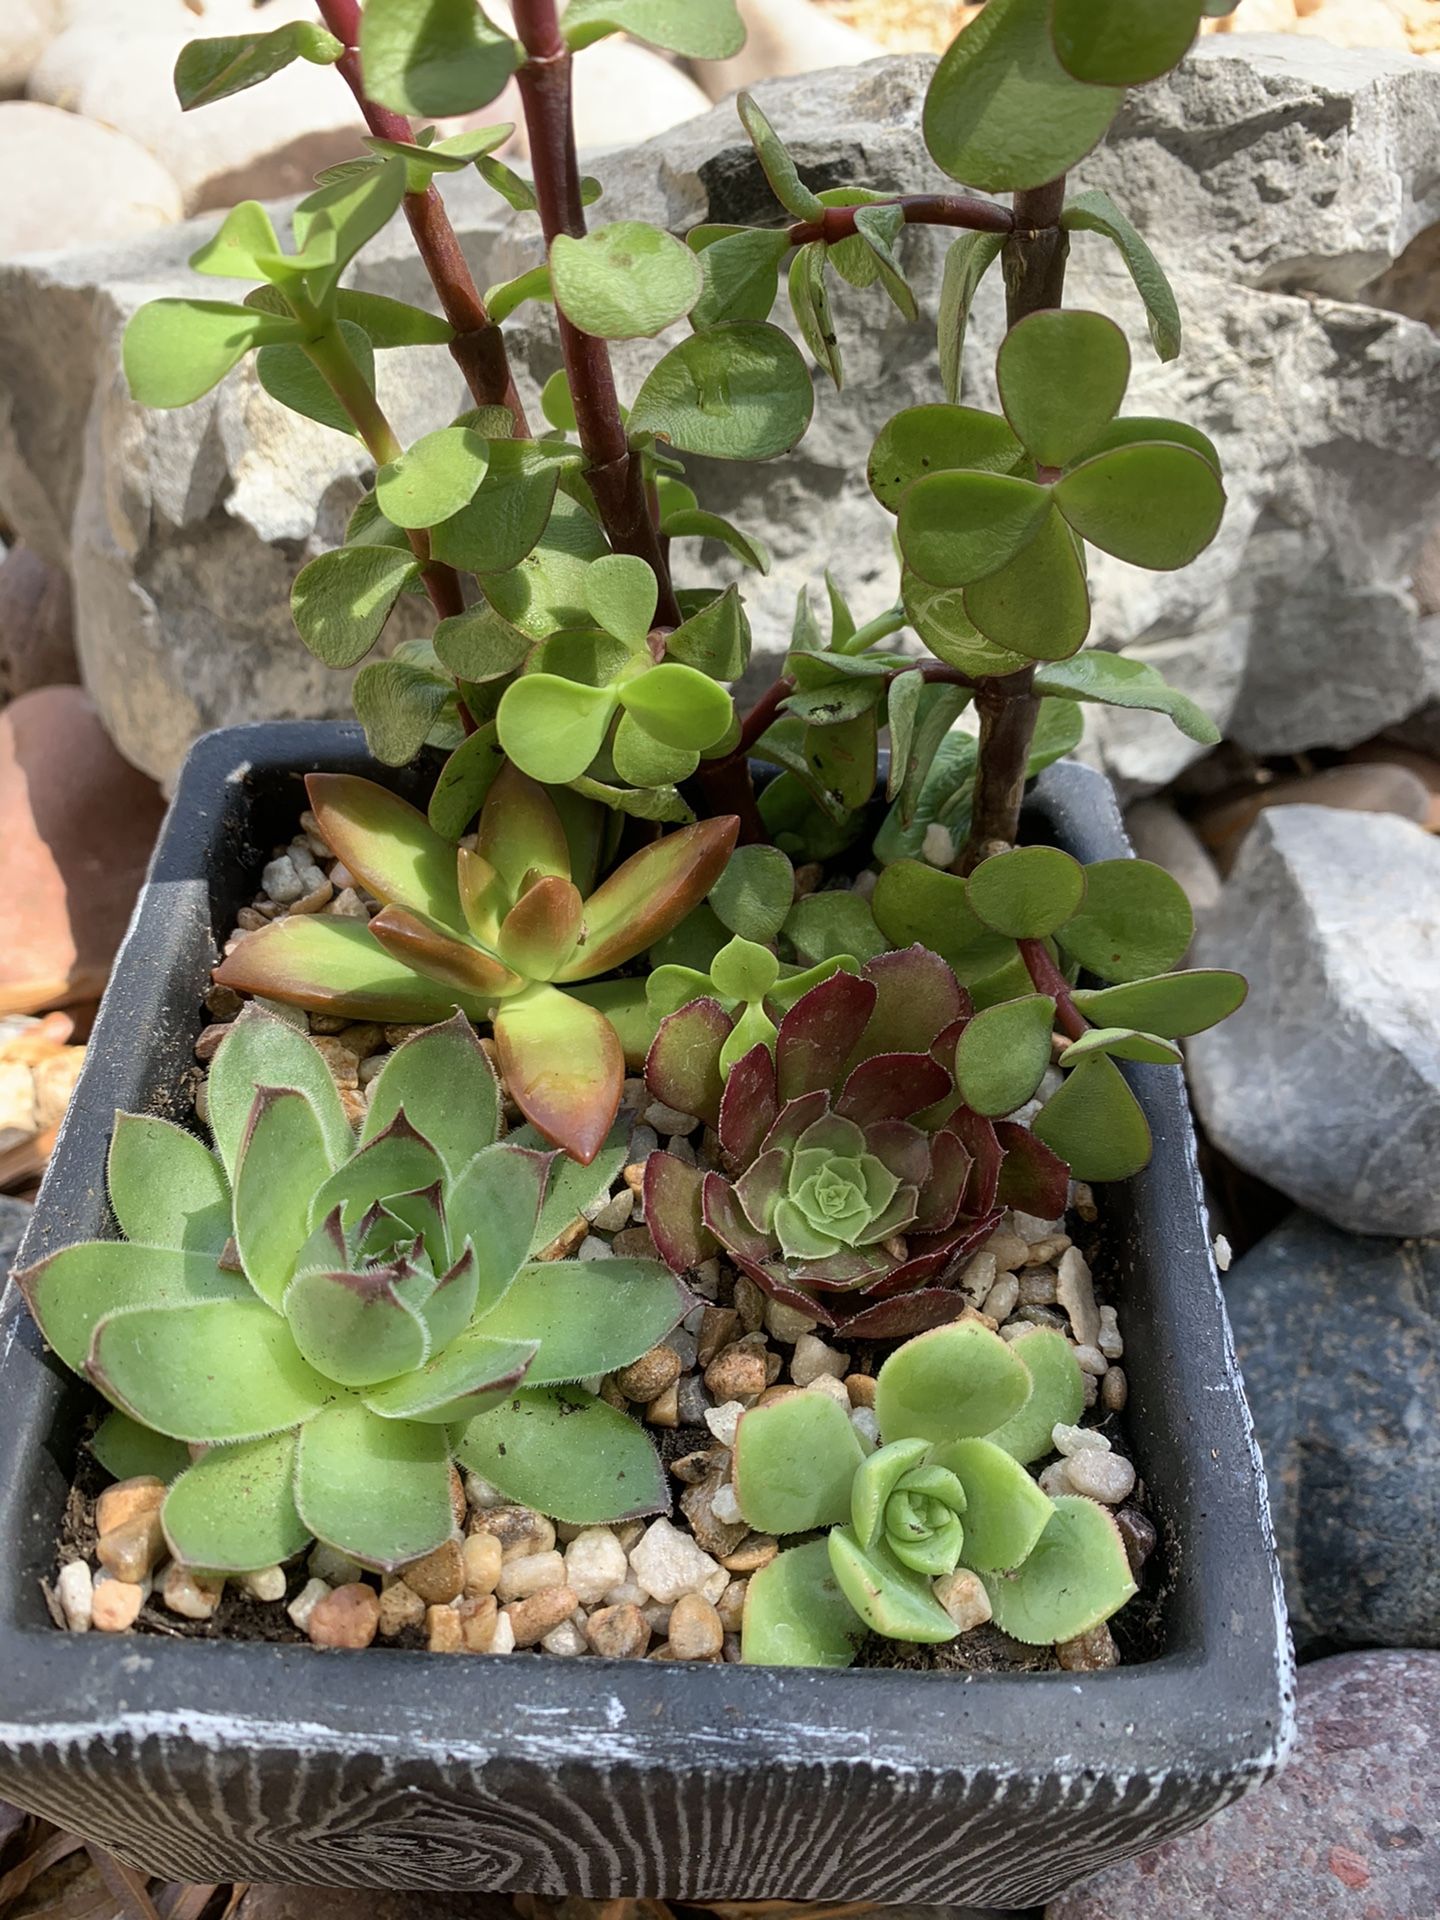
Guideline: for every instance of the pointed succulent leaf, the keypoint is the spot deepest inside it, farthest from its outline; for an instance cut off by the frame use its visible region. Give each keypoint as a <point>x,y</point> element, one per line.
<point>471,1375</point>
<point>588,1316</point>
<point>447,1087</point>
<point>890,1598</point>
<point>1095,1123</point>
<point>1002,112</point>
<point>356,1328</point>
<point>1028,892</point>
<point>564,1067</point>
<point>263,1051</point>
<point>1076,1576</point>
<point>936,439</point>
<point>650,893</point>
<point>1151,503</point>
<point>175,351</point>
<point>1123,1043</point>
<point>1033,1180</point>
<point>166,1189</point>
<point>495,1206</point>
<point>396,1160</point>
<point>958,527</point>
<point>842,760</point>
<point>1003,1053</point>
<point>212,1370</point>
<point>944,1385</point>
<point>1114,43</point>
<point>796,1614</point>
<point>916,997</point>
<point>1172,1004</point>
<point>892,1086</point>
<point>1038,604</point>
<point>819,1033</point>
<point>538,935</point>
<point>1062,375</point>
<point>1096,212</point>
<point>447,1310</point>
<point>1119,680</point>
<point>795,1463</point>
<point>388,845</point>
<point>71,1291</point>
<point>1005,1511</point>
<point>433,58</point>
<point>126,1450</point>
<point>674,1212</point>
<point>571,1187</point>
<point>1135,921</point>
<point>521,832</point>
<point>283,1161</point>
<point>456,972</point>
<point>970,257</point>
<point>566,1453</point>
<point>234,1510</point>
<point>737,392</point>
<point>682,1067</point>
<point>1057,1394</point>
<point>377,1489</point>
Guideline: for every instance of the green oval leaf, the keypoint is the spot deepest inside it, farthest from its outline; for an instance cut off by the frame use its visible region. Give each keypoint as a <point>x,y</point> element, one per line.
<point>796,1615</point>
<point>563,1452</point>
<point>810,304</point>
<point>956,528</point>
<point>914,902</point>
<point>1057,1394</point>
<point>779,169</point>
<point>432,479</point>
<point>696,29</point>
<point>622,593</point>
<point>166,1189</point>
<point>732,393</point>
<point>627,281</point>
<point>1002,1055</point>
<point>397,703</point>
<point>957,1380</point>
<point>175,351</point>
<point>680,707</point>
<point>1123,43</point>
<point>937,439</point>
<point>1096,212</point>
<point>1077,1576</point>
<point>795,1463</point>
<point>1154,505</point>
<point>234,1510</point>
<point>1123,1043</point>
<point>740,273</point>
<point>1094,1123</point>
<point>552,728</point>
<point>1135,921</point>
<point>1027,892</point>
<point>213,69</point>
<point>1122,680</point>
<point>377,1489</point>
<point>1172,1004</point>
<point>754,893</point>
<point>341,601</point>
<point>966,264</point>
<point>433,58</point>
<point>1038,604</point>
<point>1062,376</point>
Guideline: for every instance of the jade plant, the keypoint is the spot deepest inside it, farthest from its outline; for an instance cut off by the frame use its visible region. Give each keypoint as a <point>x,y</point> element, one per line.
<point>502,930</point>
<point>961,1412</point>
<point>325,1322</point>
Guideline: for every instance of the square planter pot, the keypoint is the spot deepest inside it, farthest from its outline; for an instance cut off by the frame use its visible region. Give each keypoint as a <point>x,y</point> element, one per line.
<point>216,1761</point>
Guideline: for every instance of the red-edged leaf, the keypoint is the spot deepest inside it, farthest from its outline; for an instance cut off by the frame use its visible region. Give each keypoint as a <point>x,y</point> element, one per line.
<point>819,1033</point>
<point>942,1048</point>
<point>977,1135</point>
<point>333,966</point>
<point>564,1067</point>
<point>904,1149</point>
<point>430,951</point>
<point>1032,1178</point>
<point>673,1192</point>
<point>849,1271</point>
<point>724,1216</point>
<point>892,1086</point>
<point>521,831</point>
<point>795,1118</point>
<point>905,1315</point>
<point>916,995</point>
<point>538,933</point>
<point>942,1193</point>
<point>651,893</point>
<point>387,844</point>
<point>682,1067</point>
<point>749,1106</point>
<point>760,1186</point>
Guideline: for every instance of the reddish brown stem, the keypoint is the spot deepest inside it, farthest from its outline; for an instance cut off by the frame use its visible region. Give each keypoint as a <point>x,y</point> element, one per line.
<point>920,210</point>
<point>615,476</point>
<point>478,347</point>
<point>1046,977</point>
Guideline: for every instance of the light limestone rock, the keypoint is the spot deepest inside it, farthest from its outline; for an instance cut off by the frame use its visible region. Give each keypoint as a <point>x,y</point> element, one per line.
<point>84,184</point>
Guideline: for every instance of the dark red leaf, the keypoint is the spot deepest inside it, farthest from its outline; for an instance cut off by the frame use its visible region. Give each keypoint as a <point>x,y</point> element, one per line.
<point>673,1213</point>
<point>794,1118</point>
<point>977,1135</point>
<point>819,1034</point>
<point>682,1067</point>
<point>917,996</point>
<point>892,1086</point>
<point>748,1107</point>
<point>905,1315</point>
<point>904,1149</point>
<point>1032,1178</point>
<point>940,1196</point>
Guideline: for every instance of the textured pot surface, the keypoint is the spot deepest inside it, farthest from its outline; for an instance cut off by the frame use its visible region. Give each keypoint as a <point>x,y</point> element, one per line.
<point>209,1761</point>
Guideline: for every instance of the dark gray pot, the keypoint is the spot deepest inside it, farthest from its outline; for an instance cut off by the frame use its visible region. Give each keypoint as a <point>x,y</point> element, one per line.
<point>225,1761</point>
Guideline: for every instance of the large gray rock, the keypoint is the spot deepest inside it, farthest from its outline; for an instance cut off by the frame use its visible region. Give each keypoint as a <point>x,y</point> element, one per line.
<point>1339,1340</point>
<point>1326,1083</point>
<point>1347,1832</point>
<point>182,531</point>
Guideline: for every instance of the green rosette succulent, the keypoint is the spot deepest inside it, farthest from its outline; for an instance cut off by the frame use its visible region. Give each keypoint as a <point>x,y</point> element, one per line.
<point>334,1320</point>
<point>961,1412</point>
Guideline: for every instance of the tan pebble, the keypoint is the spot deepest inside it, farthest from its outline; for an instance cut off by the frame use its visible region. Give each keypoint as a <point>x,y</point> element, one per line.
<point>477,1622</point>
<point>773,1364</point>
<point>772,1394</point>
<point>208,1044</point>
<point>328,1023</point>
<point>1009,1249</point>
<point>440,1576</point>
<point>1049,1248</point>
<point>691,1468</point>
<point>116,1604</point>
<point>696,1631</point>
<point>483,1557</point>
<point>634,1243</point>
<point>126,1499</point>
<point>532,1618</point>
<point>736,1373</point>
<point>1089,1652</point>
<point>134,1549</point>
<point>363,1038</point>
<point>757,1551</point>
<point>400,1607</point>
<point>634,1176</point>
<point>812,1359</point>
<point>1091,1360</point>
<point>267,1584</point>
<point>185,1593</point>
<point>530,1573</point>
<point>459,1506</point>
<point>861,1389</point>
<point>1114,1390</point>
<point>648,1377</point>
<point>719,1327</point>
<point>566,1641</point>
<point>731,1605</point>
<point>518,1529</point>
<point>444,1630</point>
<point>664,1409</point>
<point>978,1277</point>
<point>832,1388</point>
<point>962,1594</point>
<point>612,1396</point>
<point>749,1303</point>
<point>1082,1198</point>
<point>566,1241</point>
<point>618,1633</point>
<point>344,1067</point>
<point>1075,1292</point>
<point>1037,1287</point>
<point>348,1617</point>
<point>352,1105</point>
<point>306,1601</point>
<point>1001,1300</point>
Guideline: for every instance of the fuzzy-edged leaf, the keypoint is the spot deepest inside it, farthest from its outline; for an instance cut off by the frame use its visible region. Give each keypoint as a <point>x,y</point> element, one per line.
<point>1094,1123</point>
<point>740,271</point>
<point>779,169</point>
<point>1003,1053</point>
<point>284,1159</point>
<point>682,1067</point>
<point>433,58</point>
<point>166,1189</point>
<point>126,1450</point>
<point>1170,1004</point>
<point>338,966</point>
<point>1115,43</point>
<point>447,1087</point>
<point>938,439</point>
<point>1135,921</point>
<point>355,1328</point>
<point>950,1383</point>
<point>263,1051</point>
<point>650,893</point>
<point>341,600</point>
<point>1062,375</point>
<point>819,1033</point>
<point>1156,506</point>
<point>810,303</point>
<point>388,845</point>
<point>1096,212</point>
<point>737,392</point>
<point>1001,112</point>
<point>1033,1180</point>
<point>1077,1576</point>
<point>888,1597</point>
<point>915,902</point>
<point>796,1614</point>
<point>1057,1394</point>
<point>966,264</point>
<point>1038,604</point>
<point>209,70</point>
<point>675,1212</point>
<point>563,1452</point>
<point>959,527</point>
<point>377,1489</point>
<point>495,1206</point>
<point>1005,1512</point>
<point>795,1463</point>
<point>471,1375</point>
<point>563,1065</point>
<point>174,351</point>
<point>1121,680</point>
<point>572,1187</point>
<point>625,281</point>
<point>234,1510</point>
<point>210,1370</point>
<point>1028,892</point>
<point>589,1316</point>
<point>481,645</point>
<point>71,1291</point>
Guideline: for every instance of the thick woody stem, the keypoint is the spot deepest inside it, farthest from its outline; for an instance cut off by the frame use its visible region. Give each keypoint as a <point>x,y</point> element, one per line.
<point>920,210</point>
<point>478,347</point>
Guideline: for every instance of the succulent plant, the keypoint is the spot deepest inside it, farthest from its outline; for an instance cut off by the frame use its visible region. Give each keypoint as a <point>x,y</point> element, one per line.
<point>961,1412</point>
<point>505,932</point>
<point>333,1320</point>
<point>856,1181</point>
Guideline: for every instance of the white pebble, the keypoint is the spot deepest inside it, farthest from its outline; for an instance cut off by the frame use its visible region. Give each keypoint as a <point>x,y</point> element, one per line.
<point>530,1573</point>
<point>1056,1478</point>
<point>335,1568</point>
<point>863,1420</point>
<point>613,1212</point>
<point>1031,1227</point>
<point>1075,1291</point>
<point>566,1640</point>
<point>267,1584</point>
<point>937,849</point>
<point>502,1639</point>
<point>725,1507</point>
<point>592,1247</point>
<point>1091,1360</point>
<point>1073,1440</point>
<point>481,1495</point>
<point>1224,1253</point>
<point>832,1388</point>
<point>812,1359</point>
<point>978,1278</point>
<point>1109,1342</point>
<point>281,882</point>
<point>1000,1300</point>
<point>629,1593</point>
<point>75,1589</point>
<point>865,883</point>
<point>595,1562</point>
<point>668,1563</point>
<point>962,1594</point>
<point>1106,1477</point>
<point>306,1601</point>
<point>190,1597</point>
<point>722,1421</point>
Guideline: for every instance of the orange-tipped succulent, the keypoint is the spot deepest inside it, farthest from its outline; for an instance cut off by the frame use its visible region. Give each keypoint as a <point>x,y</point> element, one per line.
<point>504,933</point>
